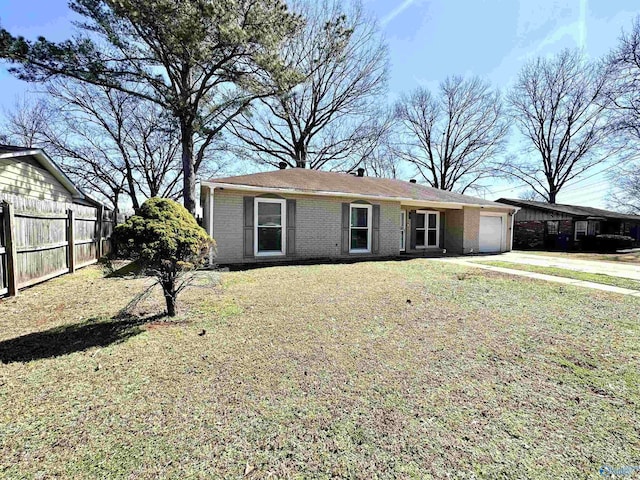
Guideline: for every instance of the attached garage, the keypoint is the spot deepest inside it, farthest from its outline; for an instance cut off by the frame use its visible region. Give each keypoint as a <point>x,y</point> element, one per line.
<point>493,231</point>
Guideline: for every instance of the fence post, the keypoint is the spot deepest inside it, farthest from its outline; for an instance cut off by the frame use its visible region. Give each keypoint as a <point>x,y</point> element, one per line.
<point>99,224</point>
<point>71,240</point>
<point>10,249</point>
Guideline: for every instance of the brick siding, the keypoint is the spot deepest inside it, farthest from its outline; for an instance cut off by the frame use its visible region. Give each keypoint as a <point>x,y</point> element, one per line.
<point>318,227</point>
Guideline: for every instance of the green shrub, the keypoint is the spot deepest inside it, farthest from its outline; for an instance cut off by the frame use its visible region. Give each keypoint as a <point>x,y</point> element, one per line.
<point>607,243</point>
<point>167,242</point>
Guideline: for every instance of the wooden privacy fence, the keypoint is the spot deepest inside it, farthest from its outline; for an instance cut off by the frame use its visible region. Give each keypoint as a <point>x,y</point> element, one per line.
<point>40,240</point>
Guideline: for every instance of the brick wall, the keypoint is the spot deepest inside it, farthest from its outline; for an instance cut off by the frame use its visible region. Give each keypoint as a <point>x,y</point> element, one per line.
<point>471,239</point>
<point>318,227</point>
<point>228,226</point>
<point>529,234</point>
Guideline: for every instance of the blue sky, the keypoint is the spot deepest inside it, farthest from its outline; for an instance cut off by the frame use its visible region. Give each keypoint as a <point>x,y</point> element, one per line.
<point>429,40</point>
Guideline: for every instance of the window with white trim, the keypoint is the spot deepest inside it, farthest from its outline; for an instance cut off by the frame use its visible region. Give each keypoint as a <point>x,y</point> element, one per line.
<point>269,226</point>
<point>581,229</point>
<point>360,228</point>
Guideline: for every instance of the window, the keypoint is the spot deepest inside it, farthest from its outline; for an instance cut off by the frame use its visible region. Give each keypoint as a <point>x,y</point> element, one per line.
<point>581,229</point>
<point>594,227</point>
<point>360,229</point>
<point>427,226</point>
<point>403,229</point>
<point>269,225</point>
<point>552,227</point>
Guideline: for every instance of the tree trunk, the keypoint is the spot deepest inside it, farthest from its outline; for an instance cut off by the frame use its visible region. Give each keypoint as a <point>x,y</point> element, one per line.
<point>188,167</point>
<point>553,193</point>
<point>301,156</point>
<point>132,187</point>
<point>171,305</point>
<point>170,297</point>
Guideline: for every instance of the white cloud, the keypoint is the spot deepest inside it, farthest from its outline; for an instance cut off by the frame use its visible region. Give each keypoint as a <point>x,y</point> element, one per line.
<point>576,30</point>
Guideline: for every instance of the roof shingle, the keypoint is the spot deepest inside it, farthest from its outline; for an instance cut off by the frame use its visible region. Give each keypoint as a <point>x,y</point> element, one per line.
<point>306,180</point>
<point>574,210</point>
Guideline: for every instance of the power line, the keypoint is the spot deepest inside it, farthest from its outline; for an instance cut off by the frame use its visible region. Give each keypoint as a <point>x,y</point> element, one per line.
<point>571,184</point>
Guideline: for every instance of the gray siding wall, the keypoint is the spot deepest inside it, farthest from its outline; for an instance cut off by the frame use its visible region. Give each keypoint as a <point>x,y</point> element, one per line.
<point>318,227</point>
<point>527,214</point>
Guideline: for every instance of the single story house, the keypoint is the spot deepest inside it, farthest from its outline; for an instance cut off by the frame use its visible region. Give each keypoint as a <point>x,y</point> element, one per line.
<point>296,214</point>
<point>30,173</point>
<point>540,225</point>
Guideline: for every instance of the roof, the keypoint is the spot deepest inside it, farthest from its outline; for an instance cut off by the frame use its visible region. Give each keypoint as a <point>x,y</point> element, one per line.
<point>10,151</point>
<point>573,210</point>
<point>300,180</point>
<point>11,148</point>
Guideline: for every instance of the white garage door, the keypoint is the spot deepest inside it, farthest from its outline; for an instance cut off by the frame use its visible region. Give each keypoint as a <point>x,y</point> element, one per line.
<point>491,230</point>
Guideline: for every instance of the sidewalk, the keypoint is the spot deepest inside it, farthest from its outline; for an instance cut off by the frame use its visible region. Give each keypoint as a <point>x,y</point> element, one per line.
<point>548,278</point>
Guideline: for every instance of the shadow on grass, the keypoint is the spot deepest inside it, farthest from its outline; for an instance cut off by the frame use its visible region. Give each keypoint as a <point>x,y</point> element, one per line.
<point>95,332</point>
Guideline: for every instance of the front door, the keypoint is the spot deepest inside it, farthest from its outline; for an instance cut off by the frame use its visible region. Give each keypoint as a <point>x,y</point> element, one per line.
<point>427,225</point>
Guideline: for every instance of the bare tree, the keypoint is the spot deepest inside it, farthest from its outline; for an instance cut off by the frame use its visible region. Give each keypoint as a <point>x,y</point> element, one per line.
<point>624,92</point>
<point>560,107</point>
<point>453,136</point>
<point>330,120</point>
<point>624,95</point>
<point>531,195</point>
<point>626,196</point>
<point>202,62</point>
<point>381,163</point>
<point>111,140</point>
<point>25,121</point>
<point>114,145</point>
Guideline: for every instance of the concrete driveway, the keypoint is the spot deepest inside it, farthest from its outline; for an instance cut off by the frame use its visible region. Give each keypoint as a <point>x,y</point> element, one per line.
<point>589,266</point>
<point>615,269</point>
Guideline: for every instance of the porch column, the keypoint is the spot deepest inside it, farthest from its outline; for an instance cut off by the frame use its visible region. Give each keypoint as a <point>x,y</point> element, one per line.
<point>210,205</point>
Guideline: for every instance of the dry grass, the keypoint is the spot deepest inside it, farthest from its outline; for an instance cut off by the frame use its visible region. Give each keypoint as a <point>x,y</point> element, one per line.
<point>412,369</point>
<point>633,257</point>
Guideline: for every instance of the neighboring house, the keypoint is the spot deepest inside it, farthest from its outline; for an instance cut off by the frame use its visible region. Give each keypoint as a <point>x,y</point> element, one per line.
<point>295,214</point>
<point>49,227</point>
<point>30,173</point>
<point>540,225</point>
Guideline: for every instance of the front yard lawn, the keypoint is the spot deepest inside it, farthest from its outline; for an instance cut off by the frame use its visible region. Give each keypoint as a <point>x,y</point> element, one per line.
<point>414,369</point>
<point>566,273</point>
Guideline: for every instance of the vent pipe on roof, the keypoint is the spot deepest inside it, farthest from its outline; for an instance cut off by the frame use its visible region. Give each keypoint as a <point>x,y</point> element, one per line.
<point>413,180</point>
<point>361,172</point>
<point>282,165</point>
